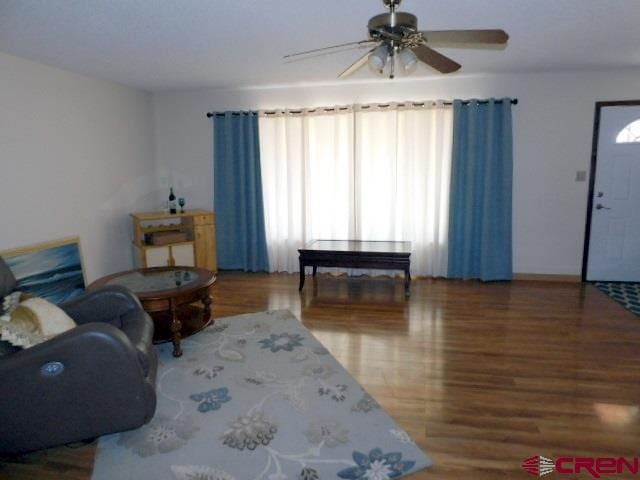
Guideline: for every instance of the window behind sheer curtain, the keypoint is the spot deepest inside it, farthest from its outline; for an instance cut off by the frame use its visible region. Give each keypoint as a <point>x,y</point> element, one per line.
<point>365,175</point>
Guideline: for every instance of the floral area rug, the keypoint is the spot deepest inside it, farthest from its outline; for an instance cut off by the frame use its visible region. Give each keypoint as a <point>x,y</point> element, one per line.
<point>625,293</point>
<point>258,397</point>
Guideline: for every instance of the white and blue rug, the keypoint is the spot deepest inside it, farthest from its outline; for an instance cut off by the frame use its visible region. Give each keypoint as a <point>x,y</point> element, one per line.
<point>258,397</point>
<point>625,293</point>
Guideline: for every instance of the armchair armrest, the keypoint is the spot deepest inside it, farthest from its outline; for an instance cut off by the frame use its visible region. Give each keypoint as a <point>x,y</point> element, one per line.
<point>138,327</point>
<point>97,386</point>
<point>103,305</point>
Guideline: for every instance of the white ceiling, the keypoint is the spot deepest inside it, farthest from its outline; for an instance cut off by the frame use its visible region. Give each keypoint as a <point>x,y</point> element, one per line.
<point>172,44</point>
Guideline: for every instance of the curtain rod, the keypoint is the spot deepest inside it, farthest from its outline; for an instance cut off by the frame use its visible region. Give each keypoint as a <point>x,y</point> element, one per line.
<point>514,101</point>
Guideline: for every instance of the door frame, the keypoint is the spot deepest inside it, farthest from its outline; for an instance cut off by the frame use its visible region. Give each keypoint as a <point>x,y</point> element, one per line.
<point>592,173</point>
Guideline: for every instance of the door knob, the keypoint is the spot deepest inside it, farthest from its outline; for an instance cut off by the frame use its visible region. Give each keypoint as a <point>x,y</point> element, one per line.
<point>599,206</point>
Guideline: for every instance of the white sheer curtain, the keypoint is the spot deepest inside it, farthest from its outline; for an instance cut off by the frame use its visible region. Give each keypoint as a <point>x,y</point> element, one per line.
<point>403,165</point>
<point>307,177</point>
<point>282,168</point>
<point>375,174</point>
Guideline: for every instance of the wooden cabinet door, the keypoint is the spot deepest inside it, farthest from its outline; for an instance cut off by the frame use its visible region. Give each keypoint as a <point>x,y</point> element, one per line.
<point>206,247</point>
<point>183,255</point>
<point>157,257</point>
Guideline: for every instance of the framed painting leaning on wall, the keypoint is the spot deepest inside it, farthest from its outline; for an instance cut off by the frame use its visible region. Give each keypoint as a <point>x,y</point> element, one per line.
<point>51,270</point>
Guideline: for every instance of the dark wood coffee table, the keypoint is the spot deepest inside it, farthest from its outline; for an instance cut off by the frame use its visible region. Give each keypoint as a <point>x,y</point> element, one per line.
<point>357,254</point>
<point>168,294</point>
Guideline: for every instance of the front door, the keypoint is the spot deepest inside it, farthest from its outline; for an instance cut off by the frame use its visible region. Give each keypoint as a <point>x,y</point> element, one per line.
<point>614,239</point>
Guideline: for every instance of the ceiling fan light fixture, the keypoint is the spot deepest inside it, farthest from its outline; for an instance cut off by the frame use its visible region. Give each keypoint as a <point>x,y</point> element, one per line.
<point>408,60</point>
<point>378,59</point>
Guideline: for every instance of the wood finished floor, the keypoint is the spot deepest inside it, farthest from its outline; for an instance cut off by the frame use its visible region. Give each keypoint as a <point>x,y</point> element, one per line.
<point>481,375</point>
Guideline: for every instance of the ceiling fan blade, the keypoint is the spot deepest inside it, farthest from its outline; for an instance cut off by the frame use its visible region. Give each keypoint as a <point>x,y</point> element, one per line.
<point>304,58</point>
<point>361,42</point>
<point>436,60</point>
<point>356,65</point>
<point>465,37</point>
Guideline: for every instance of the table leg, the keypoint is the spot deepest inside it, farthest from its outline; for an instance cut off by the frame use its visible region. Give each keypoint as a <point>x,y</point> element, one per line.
<point>206,301</point>
<point>407,282</point>
<point>176,326</point>
<point>315,269</point>
<point>301,275</point>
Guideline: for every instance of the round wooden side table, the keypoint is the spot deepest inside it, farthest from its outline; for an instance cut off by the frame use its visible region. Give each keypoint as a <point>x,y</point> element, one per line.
<point>167,294</point>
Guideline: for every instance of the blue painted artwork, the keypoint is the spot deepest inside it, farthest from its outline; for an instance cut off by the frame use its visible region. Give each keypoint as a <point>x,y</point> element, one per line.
<point>53,273</point>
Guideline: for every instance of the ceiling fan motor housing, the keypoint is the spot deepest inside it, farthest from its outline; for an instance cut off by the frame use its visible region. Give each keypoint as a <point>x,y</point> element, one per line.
<point>397,23</point>
<point>391,3</point>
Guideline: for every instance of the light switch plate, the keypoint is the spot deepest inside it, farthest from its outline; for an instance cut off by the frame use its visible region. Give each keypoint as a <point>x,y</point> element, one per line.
<point>581,176</point>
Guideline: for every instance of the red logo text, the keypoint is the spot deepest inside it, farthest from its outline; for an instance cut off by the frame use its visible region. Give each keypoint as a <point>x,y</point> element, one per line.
<point>596,467</point>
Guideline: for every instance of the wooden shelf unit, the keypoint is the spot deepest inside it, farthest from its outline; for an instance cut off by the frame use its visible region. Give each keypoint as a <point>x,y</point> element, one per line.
<point>199,250</point>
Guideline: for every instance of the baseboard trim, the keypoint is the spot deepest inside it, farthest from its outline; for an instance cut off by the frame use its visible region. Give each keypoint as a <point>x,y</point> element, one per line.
<point>547,277</point>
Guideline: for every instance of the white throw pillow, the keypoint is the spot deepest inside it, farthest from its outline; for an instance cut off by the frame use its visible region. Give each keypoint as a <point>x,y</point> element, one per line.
<point>9,304</point>
<point>33,321</point>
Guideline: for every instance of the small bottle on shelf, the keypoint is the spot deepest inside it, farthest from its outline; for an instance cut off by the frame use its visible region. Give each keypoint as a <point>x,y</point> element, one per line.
<point>172,202</point>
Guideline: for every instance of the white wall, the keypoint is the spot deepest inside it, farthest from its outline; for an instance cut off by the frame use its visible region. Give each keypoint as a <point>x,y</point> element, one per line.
<point>76,156</point>
<point>552,140</point>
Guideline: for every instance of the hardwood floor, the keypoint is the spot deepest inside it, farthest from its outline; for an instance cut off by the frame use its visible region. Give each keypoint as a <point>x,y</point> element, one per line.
<point>481,375</point>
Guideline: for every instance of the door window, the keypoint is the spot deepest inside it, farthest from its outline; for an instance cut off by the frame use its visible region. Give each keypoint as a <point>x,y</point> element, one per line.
<point>630,133</point>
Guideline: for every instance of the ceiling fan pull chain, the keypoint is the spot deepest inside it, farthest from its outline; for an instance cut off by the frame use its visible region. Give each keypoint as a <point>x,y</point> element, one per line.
<point>393,62</point>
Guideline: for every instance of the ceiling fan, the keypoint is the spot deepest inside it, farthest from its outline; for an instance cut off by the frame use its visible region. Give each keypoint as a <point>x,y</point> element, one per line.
<point>395,35</point>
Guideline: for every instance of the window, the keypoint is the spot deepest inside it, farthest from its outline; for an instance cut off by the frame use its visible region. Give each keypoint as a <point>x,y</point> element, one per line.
<point>630,133</point>
<point>375,174</point>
